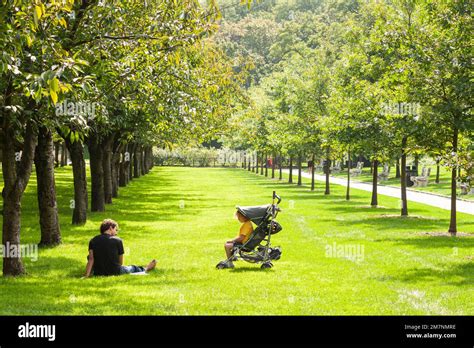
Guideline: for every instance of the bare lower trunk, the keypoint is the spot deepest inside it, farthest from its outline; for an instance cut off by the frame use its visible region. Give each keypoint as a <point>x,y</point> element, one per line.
<point>349,165</point>
<point>46,189</point>
<point>16,177</point>
<point>80,203</point>
<point>56,153</point>
<point>453,223</point>
<point>374,201</point>
<point>131,150</point>
<point>136,162</point>
<point>123,168</point>
<point>299,170</point>
<point>327,171</point>
<point>106,146</point>
<point>290,178</point>
<point>403,179</point>
<point>266,166</point>
<point>312,173</point>
<point>437,171</point>
<point>97,173</point>
<point>116,169</point>
<point>151,158</point>
<point>417,160</point>
<point>63,155</point>
<point>142,161</point>
<point>280,177</point>
<point>273,166</point>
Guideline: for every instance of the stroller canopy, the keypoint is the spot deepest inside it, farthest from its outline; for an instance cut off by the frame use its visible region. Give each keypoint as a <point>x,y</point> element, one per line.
<point>255,213</point>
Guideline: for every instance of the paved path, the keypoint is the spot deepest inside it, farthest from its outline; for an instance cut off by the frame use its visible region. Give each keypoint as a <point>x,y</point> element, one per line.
<point>414,196</point>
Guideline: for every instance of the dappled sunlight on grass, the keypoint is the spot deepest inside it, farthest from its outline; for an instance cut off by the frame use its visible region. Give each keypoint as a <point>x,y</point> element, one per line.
<point>182,216</point>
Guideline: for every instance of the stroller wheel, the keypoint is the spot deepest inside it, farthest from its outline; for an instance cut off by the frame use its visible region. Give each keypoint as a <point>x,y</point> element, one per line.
<point>221,265</point>
<point>266,265</point>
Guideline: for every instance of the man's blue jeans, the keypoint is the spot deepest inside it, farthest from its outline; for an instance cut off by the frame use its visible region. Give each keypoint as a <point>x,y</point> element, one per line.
<point>131,269</point>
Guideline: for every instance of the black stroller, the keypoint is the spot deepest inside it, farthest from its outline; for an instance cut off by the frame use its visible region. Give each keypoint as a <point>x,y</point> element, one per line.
<point>257,248</point>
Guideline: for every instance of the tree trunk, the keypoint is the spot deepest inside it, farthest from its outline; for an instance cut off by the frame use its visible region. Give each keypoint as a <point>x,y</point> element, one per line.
<point>56,154</point>
<point>97,173</point>
<point>131,154</point>
<point>397,173</point>
<point>273,166</point>
<point>299,170</point>
<point>349,165</point>
<point>266,165</point>
<point>437,171</point>
<point>152,159</point>
<point>255,169</point>
<point>403,178</point>
<point>142,161</point>
<point>280,167</point>
<point>16,177</point>
<point>106,146</point>
<point>116,168</point>
<point>327,170</point>
<point>417,160</point>
<point>46,189</point>
<point>122,169</point>
<point>80,203</point>
<point>63,155</point>
<point>374,201</point>
<point>290,177</point>
<point>453,229</point>
<point>128,164</point>
<point>145,161</point>
<point>261,165</point>
<point>136,162</point>
<point>312,173</point>
<point>249,165</point>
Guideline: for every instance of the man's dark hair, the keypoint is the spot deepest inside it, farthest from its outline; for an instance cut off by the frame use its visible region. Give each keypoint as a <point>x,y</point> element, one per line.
<point>106,224</point>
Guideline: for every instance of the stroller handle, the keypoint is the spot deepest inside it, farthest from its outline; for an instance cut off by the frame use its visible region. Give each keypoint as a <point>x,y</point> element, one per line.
<point>275,196</point>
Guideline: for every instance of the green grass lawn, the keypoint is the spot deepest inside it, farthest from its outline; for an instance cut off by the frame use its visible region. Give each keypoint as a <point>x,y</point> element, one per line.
<point>400,269</point>
<point>442,188</point>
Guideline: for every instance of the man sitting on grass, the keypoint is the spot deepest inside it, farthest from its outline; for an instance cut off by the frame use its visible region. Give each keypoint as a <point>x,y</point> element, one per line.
<point>106,253</point>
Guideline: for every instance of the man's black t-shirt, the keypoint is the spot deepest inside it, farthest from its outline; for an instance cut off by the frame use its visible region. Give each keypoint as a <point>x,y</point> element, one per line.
<point>106,250</point>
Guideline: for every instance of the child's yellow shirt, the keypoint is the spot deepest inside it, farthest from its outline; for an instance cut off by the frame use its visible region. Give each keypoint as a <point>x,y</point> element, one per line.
<point>246,229</point>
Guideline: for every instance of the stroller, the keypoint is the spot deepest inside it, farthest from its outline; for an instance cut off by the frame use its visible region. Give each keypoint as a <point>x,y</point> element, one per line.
<point>257,248</point>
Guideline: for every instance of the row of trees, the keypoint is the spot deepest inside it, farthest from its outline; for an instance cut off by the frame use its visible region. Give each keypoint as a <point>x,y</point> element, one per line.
<point>382,79</point>
<point>117,77</point>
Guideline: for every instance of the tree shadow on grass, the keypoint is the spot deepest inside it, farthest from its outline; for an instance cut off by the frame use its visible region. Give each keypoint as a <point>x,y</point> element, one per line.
<point>249,269</point>
<point>388,223</point>
<point>464,272</point>
<point>78,272</point>
<point>93,296</point>
<point>429,242</point>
